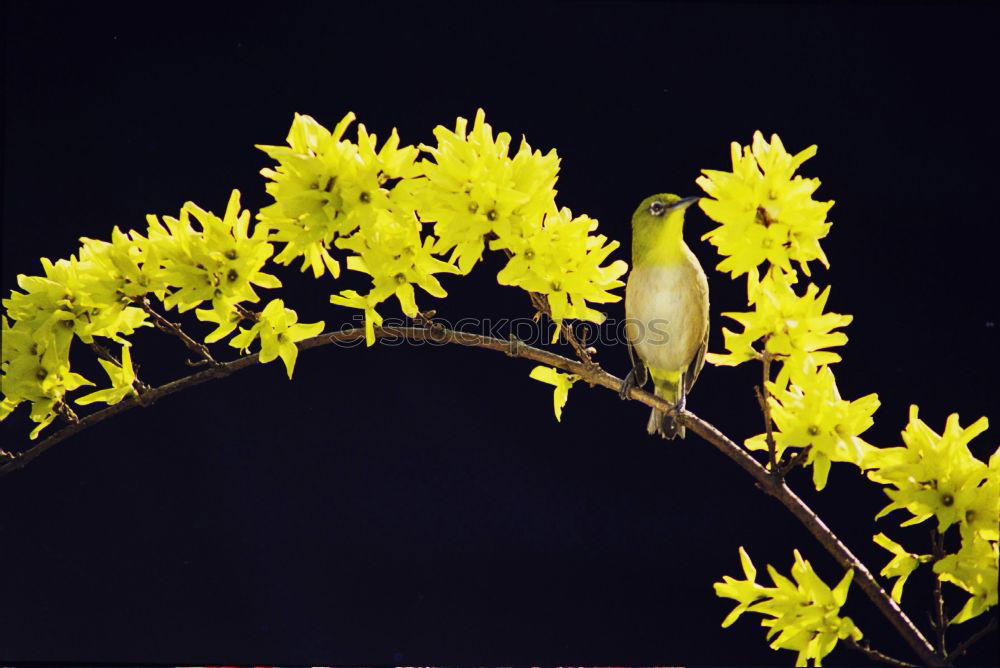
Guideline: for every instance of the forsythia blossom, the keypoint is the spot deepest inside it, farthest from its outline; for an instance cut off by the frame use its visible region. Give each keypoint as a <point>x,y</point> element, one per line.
<point>220,263</point>
<point>35,368</point>
<point>560,258</point>
<point>974,569</point>
<point>562,383</point>
<point>325,186</point>
<point>474,191</point>
<point>811,414</point>
<point>473,188</point>
<point>765,213</point>
<point>122,376</point>
<point>931,475</point>
<point>901,565</point>
<point>802,615</point>
<point>375,205</point>
<point>93,295</point>
<point>794,328</point>
<point>278,331</point>
<point>936,475</point>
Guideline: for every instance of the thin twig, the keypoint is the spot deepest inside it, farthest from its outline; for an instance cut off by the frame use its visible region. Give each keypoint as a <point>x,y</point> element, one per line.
<point>763,394</point>
<point>173,328</point>
<point>246,314</point>
<point>972,640</point>
<point>542,307</point>
<point>104,353</point>
<point>66,413</point>
<point>797,459</point>
<point>877,655</point>
<point>937,546</point>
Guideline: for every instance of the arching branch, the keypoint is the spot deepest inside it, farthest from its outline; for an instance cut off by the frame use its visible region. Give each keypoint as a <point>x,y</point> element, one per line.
<point>593,375</point>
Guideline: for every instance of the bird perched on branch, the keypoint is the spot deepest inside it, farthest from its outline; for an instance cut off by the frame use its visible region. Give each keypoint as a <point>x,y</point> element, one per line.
<point>666,308</point>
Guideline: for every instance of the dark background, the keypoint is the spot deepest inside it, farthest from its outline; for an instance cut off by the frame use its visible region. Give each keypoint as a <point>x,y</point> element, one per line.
<point>423,506</point>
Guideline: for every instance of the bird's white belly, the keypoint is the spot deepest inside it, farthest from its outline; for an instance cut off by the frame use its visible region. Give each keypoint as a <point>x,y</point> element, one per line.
<point>666,313</point>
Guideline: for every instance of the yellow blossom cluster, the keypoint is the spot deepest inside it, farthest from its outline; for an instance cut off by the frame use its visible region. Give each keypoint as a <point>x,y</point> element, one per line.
<point>936,476</point>
<point>767,215</point>
<point>801,614</point>
<point>474,193</point>
<point>399,219</point>
<point>333,193</point>
<point>813,416</point>
<point>103,291</point>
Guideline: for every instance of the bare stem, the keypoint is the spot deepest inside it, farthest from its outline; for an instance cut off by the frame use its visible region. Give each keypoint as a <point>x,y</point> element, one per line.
<point>937,545</point>
<point>763,394</point>
<point>541,304</point>
<point>591,373</point>
<point>173,328</point>
<point>972,640</point>
<point>877,655</point>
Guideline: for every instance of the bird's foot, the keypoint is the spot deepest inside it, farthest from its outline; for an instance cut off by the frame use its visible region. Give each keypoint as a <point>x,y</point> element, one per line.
<point>636,378</point>
<point>627,385</point>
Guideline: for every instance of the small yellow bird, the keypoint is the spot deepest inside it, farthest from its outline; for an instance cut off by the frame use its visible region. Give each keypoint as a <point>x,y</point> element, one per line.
<point>666,308</point>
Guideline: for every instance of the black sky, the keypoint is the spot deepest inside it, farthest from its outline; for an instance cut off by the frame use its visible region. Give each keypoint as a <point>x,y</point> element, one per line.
<point>400,505</point>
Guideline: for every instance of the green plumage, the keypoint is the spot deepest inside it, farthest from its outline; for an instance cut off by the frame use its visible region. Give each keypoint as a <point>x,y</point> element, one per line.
<point>666,307</point>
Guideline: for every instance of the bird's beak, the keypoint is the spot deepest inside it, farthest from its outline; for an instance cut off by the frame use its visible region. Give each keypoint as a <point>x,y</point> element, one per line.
<point>684,203</point>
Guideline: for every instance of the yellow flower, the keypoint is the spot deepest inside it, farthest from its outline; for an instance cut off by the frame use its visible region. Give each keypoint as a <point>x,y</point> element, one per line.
<point>325,186</point>
<point>811,414</point>
<point>902,564</point>
<point>389,248</point>
<point>765,213</point>
<point>933,475</point>
<point>474,188</point>
<point>561,259</point>
<point>220,263</point>
<point>36,369</point>
<point>974,569</point>
<point>803,616</point>
<point>795,328</point>
<point>279,331</point>
<point>366,303</point>
<point>746,592</point>
<point>562,383</point>
<point>121,377</point>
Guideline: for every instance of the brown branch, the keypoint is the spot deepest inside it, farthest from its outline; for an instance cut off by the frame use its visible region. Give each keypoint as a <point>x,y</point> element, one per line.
<point>877,655</point>
<point>592,374</point>
<point>972,640</point>
<point>173,328</point>
<point>542,307</point>
<point>797,459</point>
<point>940,625</point>
<point>763,394</point>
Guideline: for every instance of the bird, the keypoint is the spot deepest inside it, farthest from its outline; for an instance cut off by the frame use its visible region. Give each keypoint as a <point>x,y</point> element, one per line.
<point>666,309</point>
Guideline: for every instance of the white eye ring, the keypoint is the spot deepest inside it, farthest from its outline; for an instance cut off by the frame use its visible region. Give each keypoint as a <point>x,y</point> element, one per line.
<point>657,208</point>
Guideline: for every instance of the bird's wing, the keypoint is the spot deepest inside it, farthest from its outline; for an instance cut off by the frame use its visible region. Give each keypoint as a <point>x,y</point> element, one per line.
<point>696,364</point>
<point>637,364</point>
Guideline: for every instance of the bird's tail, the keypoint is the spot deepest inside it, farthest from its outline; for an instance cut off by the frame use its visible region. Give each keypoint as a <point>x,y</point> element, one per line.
<point>661,423</point>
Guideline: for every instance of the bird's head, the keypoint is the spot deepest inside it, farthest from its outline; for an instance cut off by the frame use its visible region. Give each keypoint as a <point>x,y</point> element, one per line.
<point>658,222</point>
<point>657,210</point>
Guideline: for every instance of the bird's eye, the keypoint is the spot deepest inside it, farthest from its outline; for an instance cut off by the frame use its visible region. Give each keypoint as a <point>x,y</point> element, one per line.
<point>657,208</point>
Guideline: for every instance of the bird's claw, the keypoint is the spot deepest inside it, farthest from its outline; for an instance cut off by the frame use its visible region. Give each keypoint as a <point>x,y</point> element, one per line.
<point>627,385</point>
